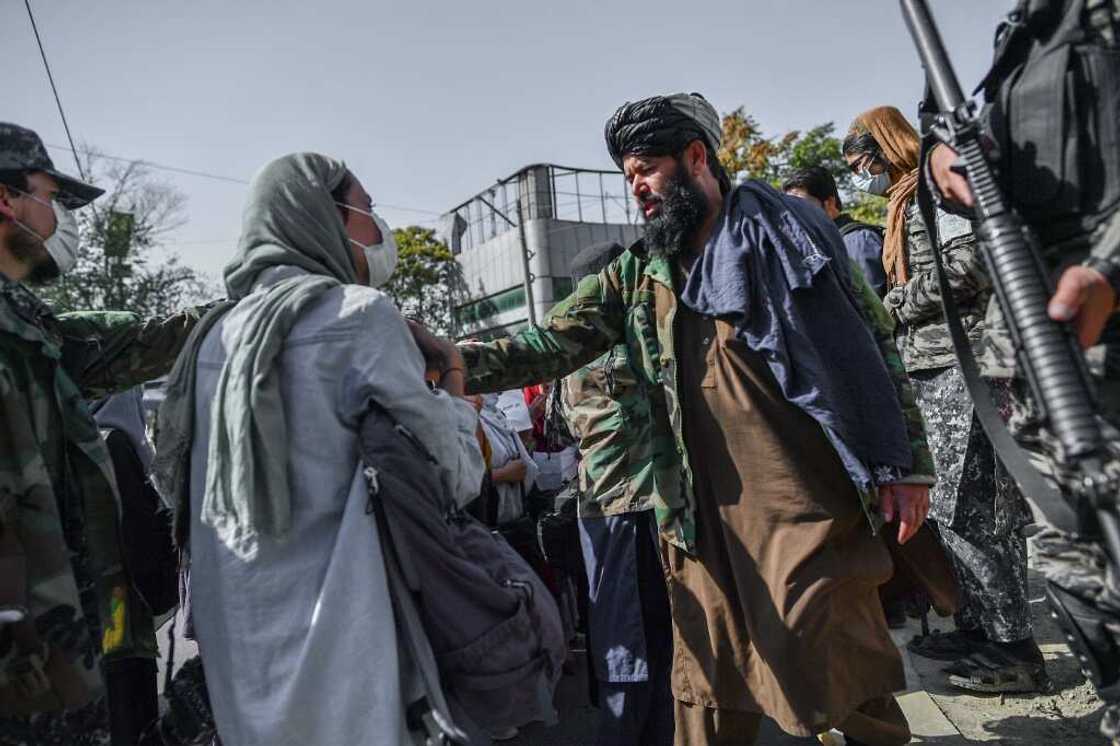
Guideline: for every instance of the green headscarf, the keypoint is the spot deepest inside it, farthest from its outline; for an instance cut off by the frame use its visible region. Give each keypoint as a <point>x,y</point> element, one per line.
<point>290,220</point>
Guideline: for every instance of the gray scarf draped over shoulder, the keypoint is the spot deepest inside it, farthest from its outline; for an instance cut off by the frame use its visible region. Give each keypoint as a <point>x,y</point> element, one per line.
<point>290,220</point>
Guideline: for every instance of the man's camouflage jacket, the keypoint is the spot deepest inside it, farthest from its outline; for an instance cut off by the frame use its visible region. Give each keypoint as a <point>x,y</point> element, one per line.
<point>60,555</point>
<point>634,300</point>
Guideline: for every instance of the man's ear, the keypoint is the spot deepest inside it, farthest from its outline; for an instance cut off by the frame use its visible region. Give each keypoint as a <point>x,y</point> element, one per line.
<point>7,210</point>
<point>696,156</point>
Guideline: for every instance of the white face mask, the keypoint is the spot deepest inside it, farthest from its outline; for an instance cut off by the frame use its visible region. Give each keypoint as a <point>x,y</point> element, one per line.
<point>62,245</point>
<point>872,184</point>
<point>64,242</point>
<point>381,258</point>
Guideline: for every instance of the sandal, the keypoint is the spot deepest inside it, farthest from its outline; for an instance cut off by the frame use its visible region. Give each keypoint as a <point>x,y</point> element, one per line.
<point>944,646</point>
<point>992,671</point>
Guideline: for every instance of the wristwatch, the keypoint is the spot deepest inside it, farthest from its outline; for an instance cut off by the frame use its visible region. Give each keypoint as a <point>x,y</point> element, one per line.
<point>1110,268</point>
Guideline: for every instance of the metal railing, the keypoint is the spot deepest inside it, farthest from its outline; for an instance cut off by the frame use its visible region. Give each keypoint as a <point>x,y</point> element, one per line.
<point>545,191</point>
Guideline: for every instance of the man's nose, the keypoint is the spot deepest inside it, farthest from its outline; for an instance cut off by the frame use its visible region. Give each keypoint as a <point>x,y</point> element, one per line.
<point>639,188</point>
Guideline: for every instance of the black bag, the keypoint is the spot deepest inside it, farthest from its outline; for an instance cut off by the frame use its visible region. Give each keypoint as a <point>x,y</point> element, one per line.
<point>558,533</point>
<point>1054,95</point>
<point>146,541</point>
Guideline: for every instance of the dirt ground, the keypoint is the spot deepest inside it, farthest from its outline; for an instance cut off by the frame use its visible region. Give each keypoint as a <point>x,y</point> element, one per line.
<point>1069,715</point>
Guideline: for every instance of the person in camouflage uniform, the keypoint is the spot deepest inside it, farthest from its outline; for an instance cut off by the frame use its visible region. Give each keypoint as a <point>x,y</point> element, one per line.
<point>729,559</point>
<point>60,561</point>
<point>1067,189</point>
<point>977,507</point>
<point>630,636</point>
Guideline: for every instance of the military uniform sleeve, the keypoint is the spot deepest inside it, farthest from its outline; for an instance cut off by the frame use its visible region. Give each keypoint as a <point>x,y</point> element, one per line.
<point>110,351</point>
<point>579,329</point>
<point>920,298</point>
<point>882,328</point>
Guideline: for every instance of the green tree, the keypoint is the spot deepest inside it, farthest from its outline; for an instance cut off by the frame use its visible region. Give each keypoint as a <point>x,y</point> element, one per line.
<point>120,263</point>
<point>747,153</point>
<point>428,282</point>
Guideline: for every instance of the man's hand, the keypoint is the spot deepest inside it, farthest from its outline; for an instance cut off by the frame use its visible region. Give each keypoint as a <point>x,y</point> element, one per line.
<point>442,359</point>
<point>909,503</point>
<point>952,185</point>
<point>1086,298</point>
<point>439,354</point>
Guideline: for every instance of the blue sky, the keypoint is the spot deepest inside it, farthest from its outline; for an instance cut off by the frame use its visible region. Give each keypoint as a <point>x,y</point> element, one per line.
<point>430,102</point>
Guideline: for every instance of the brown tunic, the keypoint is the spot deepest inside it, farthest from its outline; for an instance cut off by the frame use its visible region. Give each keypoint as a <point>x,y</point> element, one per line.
<point>778,612</point>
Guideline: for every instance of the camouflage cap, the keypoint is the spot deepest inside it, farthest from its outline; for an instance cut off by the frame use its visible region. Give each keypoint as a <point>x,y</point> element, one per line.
<point>23,150</point>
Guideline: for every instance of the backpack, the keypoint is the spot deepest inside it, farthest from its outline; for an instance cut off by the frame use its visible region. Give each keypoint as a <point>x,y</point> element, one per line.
<point>854,225</point>
<point>493,628</point>
<point>1054,95</point>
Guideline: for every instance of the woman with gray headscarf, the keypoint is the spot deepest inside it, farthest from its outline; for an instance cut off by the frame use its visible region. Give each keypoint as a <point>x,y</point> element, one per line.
<point>259,447</point>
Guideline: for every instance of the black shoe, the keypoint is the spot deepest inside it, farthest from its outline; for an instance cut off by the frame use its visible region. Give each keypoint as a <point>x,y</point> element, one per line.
<point>947,646</point>
<point>1001,669</point>
<point>896,615</point>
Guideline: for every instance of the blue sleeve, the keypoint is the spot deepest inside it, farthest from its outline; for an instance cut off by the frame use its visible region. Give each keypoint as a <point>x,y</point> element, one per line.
<point>865,248</point>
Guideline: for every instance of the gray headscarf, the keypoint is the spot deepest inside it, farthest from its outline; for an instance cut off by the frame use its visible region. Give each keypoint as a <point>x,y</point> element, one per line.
<point>290,220</point>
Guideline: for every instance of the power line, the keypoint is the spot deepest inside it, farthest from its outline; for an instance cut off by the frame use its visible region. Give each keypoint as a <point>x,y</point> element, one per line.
<point>54,88</point>
<point>218,177</point>
<point>155,166</point>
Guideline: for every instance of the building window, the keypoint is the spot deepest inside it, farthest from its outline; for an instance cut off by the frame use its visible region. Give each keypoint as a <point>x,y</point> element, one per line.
<point>481,310</point>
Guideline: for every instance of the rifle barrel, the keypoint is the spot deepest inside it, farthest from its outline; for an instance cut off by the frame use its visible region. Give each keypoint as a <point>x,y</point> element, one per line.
<point>939,70</point>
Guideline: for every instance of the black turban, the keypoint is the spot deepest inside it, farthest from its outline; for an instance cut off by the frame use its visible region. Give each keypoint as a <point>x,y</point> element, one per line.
<point>592,260</point>
<point>662,125</point>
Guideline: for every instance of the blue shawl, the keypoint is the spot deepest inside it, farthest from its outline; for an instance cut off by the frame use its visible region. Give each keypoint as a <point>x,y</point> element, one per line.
<point>776,270</point>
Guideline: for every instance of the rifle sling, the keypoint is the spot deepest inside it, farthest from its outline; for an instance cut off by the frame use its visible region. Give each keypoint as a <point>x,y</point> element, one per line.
<point>1034,486</point>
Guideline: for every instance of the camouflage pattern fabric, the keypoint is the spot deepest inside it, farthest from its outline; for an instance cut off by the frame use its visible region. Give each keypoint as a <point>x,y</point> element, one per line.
<point>978,508</point>
<point>992,572</point>
<point>634,300</point>
<point>607,407</point>
<point>59,551</point>
<point>923,335</point>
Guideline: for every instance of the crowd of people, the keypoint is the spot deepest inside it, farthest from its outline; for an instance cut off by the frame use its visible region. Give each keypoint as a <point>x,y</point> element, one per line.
<point>731,460</point>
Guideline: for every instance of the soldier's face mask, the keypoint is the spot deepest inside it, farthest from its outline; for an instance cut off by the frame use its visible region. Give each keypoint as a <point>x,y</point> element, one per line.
<point>62,244</point>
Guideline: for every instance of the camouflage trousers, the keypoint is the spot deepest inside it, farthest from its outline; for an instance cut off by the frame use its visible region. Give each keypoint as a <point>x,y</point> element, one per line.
<point>978,508</point>
<point>1073,563</point>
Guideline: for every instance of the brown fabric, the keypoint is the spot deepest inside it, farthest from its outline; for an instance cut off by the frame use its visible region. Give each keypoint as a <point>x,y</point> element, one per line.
<point>696,725</point>
<point>778,612</point>
<point>879,722</point>
<point>923,569</point>
<point>900,144</point>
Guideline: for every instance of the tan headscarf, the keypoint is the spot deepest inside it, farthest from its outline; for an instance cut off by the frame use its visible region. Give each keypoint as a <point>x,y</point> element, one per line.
<point>900,145</point>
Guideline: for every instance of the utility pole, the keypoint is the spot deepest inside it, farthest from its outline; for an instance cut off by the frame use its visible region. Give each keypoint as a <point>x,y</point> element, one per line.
<point>526,255</point>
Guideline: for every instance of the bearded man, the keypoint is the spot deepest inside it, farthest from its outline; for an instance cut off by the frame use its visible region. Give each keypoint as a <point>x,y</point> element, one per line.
<point>785,432</point>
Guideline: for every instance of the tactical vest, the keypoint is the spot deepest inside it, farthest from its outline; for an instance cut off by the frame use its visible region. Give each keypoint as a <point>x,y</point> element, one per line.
<point>1054,96</point>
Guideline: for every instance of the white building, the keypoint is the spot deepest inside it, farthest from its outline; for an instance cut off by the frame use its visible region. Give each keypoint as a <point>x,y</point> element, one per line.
<point>539,218</point>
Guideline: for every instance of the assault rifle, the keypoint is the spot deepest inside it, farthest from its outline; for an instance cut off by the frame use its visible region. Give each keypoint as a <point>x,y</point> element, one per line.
<point>1047,351</point>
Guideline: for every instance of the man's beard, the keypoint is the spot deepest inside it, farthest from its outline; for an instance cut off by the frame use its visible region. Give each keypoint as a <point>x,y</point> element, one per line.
<point>29,250</point>
<point>683,208</point>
